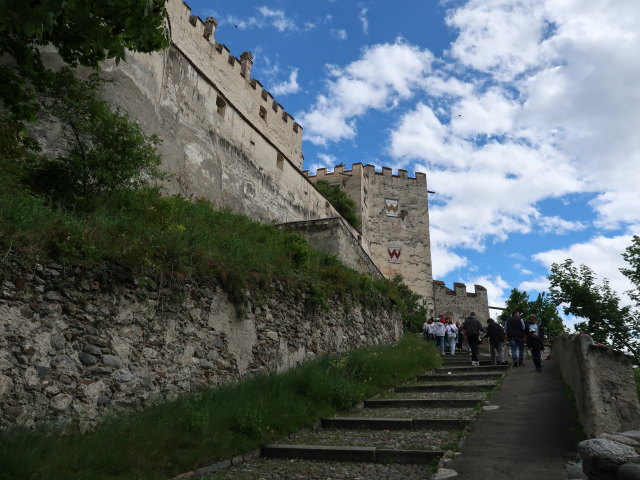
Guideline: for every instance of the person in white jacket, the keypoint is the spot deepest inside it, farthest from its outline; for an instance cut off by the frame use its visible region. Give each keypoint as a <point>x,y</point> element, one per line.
<point>439,330</point>
<point>451,332</point>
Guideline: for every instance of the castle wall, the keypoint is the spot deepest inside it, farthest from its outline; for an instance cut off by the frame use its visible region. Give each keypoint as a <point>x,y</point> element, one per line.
<point>459,303</point>
<point>334,236</point>
<point>395,220</point>
<point>77,343</point>
<point>234,158</point>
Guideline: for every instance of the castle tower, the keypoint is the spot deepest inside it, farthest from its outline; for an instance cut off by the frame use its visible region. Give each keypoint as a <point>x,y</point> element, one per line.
<point>394,217</point>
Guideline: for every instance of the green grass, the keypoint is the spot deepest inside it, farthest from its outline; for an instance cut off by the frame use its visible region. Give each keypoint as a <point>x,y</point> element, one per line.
<point>198,429</point>
<point>175,238</point>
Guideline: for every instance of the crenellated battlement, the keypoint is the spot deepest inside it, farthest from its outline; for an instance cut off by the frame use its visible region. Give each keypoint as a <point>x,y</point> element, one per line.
<point>459,289</point>
<point>358,169</point>
<point>231,75</point>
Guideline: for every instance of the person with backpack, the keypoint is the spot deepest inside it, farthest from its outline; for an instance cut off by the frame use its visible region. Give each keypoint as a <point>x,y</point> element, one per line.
<point>514,326</point>
<point>495,334</point>
<point>472,328</point>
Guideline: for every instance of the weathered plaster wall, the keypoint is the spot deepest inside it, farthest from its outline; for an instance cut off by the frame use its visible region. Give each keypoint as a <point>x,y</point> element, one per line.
<point>76,343</point>
<point>335,236</point>
<point>602,382</point>
<point>459,302</point>
<point>395,220</point>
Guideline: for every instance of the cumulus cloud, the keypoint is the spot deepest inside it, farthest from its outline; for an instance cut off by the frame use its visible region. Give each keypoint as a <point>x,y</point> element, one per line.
<point>384,75</point>
<point>288,86</point>
<point>601,254</point>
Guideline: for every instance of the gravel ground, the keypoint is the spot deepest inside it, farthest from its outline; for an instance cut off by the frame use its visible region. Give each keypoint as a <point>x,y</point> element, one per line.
<point>412,412</point>
<point>277,469</point>
<point>399,439</point>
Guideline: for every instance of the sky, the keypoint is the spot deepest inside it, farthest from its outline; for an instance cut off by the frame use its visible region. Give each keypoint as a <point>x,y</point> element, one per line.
<point>524,114</point>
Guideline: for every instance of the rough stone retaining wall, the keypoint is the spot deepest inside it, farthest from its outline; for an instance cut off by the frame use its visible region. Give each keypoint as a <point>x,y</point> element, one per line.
<point>76,343</point>
<point>602,382</point>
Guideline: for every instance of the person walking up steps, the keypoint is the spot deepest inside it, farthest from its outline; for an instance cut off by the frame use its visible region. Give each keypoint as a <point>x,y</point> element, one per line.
<point>439,329</point>
<point>472,328</point>
<point>452,335</point>
<point>495,334</point>
<point>537,347</point>
<point>514,326</point>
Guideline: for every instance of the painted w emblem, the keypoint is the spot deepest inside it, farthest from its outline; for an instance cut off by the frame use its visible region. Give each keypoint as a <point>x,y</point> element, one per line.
<point>391,207</point>
<point>394,255</point>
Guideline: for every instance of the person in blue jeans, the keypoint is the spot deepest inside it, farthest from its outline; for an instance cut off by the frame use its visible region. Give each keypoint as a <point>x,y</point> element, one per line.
<point>515,329</point>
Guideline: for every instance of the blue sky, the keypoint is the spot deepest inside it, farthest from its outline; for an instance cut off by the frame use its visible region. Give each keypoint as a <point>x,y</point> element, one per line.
<point>523,113</point>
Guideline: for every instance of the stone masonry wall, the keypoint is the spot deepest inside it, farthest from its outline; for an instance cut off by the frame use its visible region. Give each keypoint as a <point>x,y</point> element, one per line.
<point>602,382</point>
<point>459,302</point>
<point>76,343</point>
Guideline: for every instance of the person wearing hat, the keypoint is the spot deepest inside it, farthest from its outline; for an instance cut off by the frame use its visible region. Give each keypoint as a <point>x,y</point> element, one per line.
<point>537,347</point>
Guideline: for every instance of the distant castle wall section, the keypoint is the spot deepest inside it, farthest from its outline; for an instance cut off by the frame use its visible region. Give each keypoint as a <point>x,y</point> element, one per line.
<point>460,303</point>
<point>395,220</point>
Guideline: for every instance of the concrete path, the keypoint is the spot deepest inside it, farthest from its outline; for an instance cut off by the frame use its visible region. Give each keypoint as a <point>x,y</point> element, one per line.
<point>530,436</point>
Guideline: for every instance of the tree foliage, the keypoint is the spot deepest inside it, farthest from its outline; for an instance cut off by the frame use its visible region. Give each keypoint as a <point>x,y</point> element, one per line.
<point>340,200</point>
<point>543,307</point>
<point>607,319</point>
<point>84,32</point>
<point>104,149</point>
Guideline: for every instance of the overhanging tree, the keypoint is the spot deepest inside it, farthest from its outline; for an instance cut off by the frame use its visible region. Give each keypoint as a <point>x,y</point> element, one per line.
<point>85,32</point>
<point>543,307</point>
<point>607,320</point>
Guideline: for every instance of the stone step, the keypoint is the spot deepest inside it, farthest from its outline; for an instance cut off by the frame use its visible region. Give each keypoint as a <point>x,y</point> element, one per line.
<point>462,361</point>
<point>461,377</point>
<point>393,423</point>
<point>424,403</point>
<point>351,454</point>
<point>468,368</point>
<point>446,387</point>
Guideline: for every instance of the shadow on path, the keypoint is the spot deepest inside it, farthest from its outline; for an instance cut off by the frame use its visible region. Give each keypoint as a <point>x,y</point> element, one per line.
<point>530,436</point>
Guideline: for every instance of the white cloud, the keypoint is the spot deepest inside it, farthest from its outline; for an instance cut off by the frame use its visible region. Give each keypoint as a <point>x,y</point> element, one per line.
<point>325,161</point>
<point>384,75</point>
<point>559,225</point>
<point>267,17</point>
<point>338,33</point>
<point>497,288</point>
<point>602,254</point>
<point>289,86</point>
<point>362,16</point>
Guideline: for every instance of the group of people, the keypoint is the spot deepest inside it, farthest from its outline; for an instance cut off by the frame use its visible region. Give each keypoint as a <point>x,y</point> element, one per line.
<point>450,336</point>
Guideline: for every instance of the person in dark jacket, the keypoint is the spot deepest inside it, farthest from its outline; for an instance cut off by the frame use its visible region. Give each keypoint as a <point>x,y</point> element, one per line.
<point>535,325</point>
<point>514,326</point>
<point>472,328</point>
<point>495,334</point>
<point>537,347</point>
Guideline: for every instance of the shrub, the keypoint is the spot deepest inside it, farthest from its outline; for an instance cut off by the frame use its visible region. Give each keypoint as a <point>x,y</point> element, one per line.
<point>340,201</point>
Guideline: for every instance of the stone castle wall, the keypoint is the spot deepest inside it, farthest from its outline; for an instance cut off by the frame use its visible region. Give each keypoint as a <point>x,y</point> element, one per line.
<point>215,143</point>
<point>602,382</point>
<point>460,303</point>
<point>78,343</point>
<point>394,219</point>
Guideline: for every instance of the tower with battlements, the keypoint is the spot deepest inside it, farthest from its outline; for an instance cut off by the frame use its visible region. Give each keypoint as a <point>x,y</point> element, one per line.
<point>394,218</point>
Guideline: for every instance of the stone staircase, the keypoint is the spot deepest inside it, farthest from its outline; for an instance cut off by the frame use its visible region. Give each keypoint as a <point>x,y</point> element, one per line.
<point>400,434</point>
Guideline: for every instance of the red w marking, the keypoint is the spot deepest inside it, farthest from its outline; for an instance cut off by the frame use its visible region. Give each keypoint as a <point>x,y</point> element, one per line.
<point>395,253</point>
